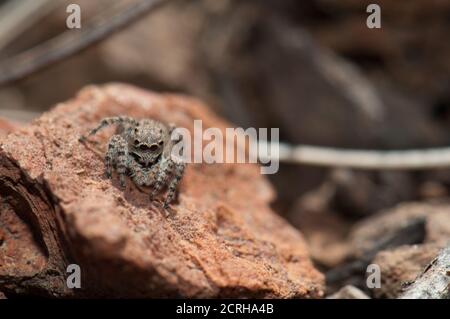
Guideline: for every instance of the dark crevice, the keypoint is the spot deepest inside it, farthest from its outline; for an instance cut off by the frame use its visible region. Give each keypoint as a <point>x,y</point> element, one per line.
<point>365,59</point>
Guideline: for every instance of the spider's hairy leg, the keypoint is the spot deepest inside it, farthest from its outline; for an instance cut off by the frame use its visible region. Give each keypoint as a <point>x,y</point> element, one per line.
<point>177,175</point>
<point>178,137</point>
<point>117,156</point>
<point>171,143</point>
<point>121,120</point>
<point>166,167</point>
<point>171,127</point>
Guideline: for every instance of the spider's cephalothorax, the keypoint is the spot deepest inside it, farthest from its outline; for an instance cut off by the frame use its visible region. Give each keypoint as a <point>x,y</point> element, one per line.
<point>146,141</point>
<point>142,150</point>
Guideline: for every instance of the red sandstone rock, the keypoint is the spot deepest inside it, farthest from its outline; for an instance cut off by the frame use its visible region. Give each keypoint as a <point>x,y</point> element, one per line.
<point>220,239</point>
<point>6,126</point>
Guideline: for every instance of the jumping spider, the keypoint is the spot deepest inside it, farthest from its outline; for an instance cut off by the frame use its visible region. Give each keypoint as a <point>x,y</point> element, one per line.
<point>142,150</point>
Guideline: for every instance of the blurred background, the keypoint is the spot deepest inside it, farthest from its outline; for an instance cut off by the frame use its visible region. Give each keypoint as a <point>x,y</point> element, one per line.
<point>312,68</point>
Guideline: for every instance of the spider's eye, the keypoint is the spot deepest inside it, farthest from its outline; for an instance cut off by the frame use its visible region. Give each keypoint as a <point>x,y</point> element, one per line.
<point>161,142</point>
<point>136,142</point>
<point>154,147</point>
<point>143,147</point>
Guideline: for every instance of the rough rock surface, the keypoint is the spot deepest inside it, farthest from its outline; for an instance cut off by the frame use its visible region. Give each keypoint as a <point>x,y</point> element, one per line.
<point>402,241</point>
<point>410,227</point>
<point>408,223</point>
<point>434,281</point>
<point>401,266</point>
<point>220,239</point>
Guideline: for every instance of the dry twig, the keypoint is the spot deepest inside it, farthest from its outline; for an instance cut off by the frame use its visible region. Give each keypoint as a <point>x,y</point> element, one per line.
<point>18,15</point>
<point>72,42</point>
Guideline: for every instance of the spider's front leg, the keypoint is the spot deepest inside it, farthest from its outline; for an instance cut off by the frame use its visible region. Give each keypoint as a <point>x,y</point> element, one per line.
<point>172,166</point>
<point>117,157</point>
<point>120,120</point>
<point>176,178</point>
<point>164,169</point>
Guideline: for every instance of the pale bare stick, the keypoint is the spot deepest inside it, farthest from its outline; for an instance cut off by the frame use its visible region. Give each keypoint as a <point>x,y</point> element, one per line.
<point>361,159</point>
